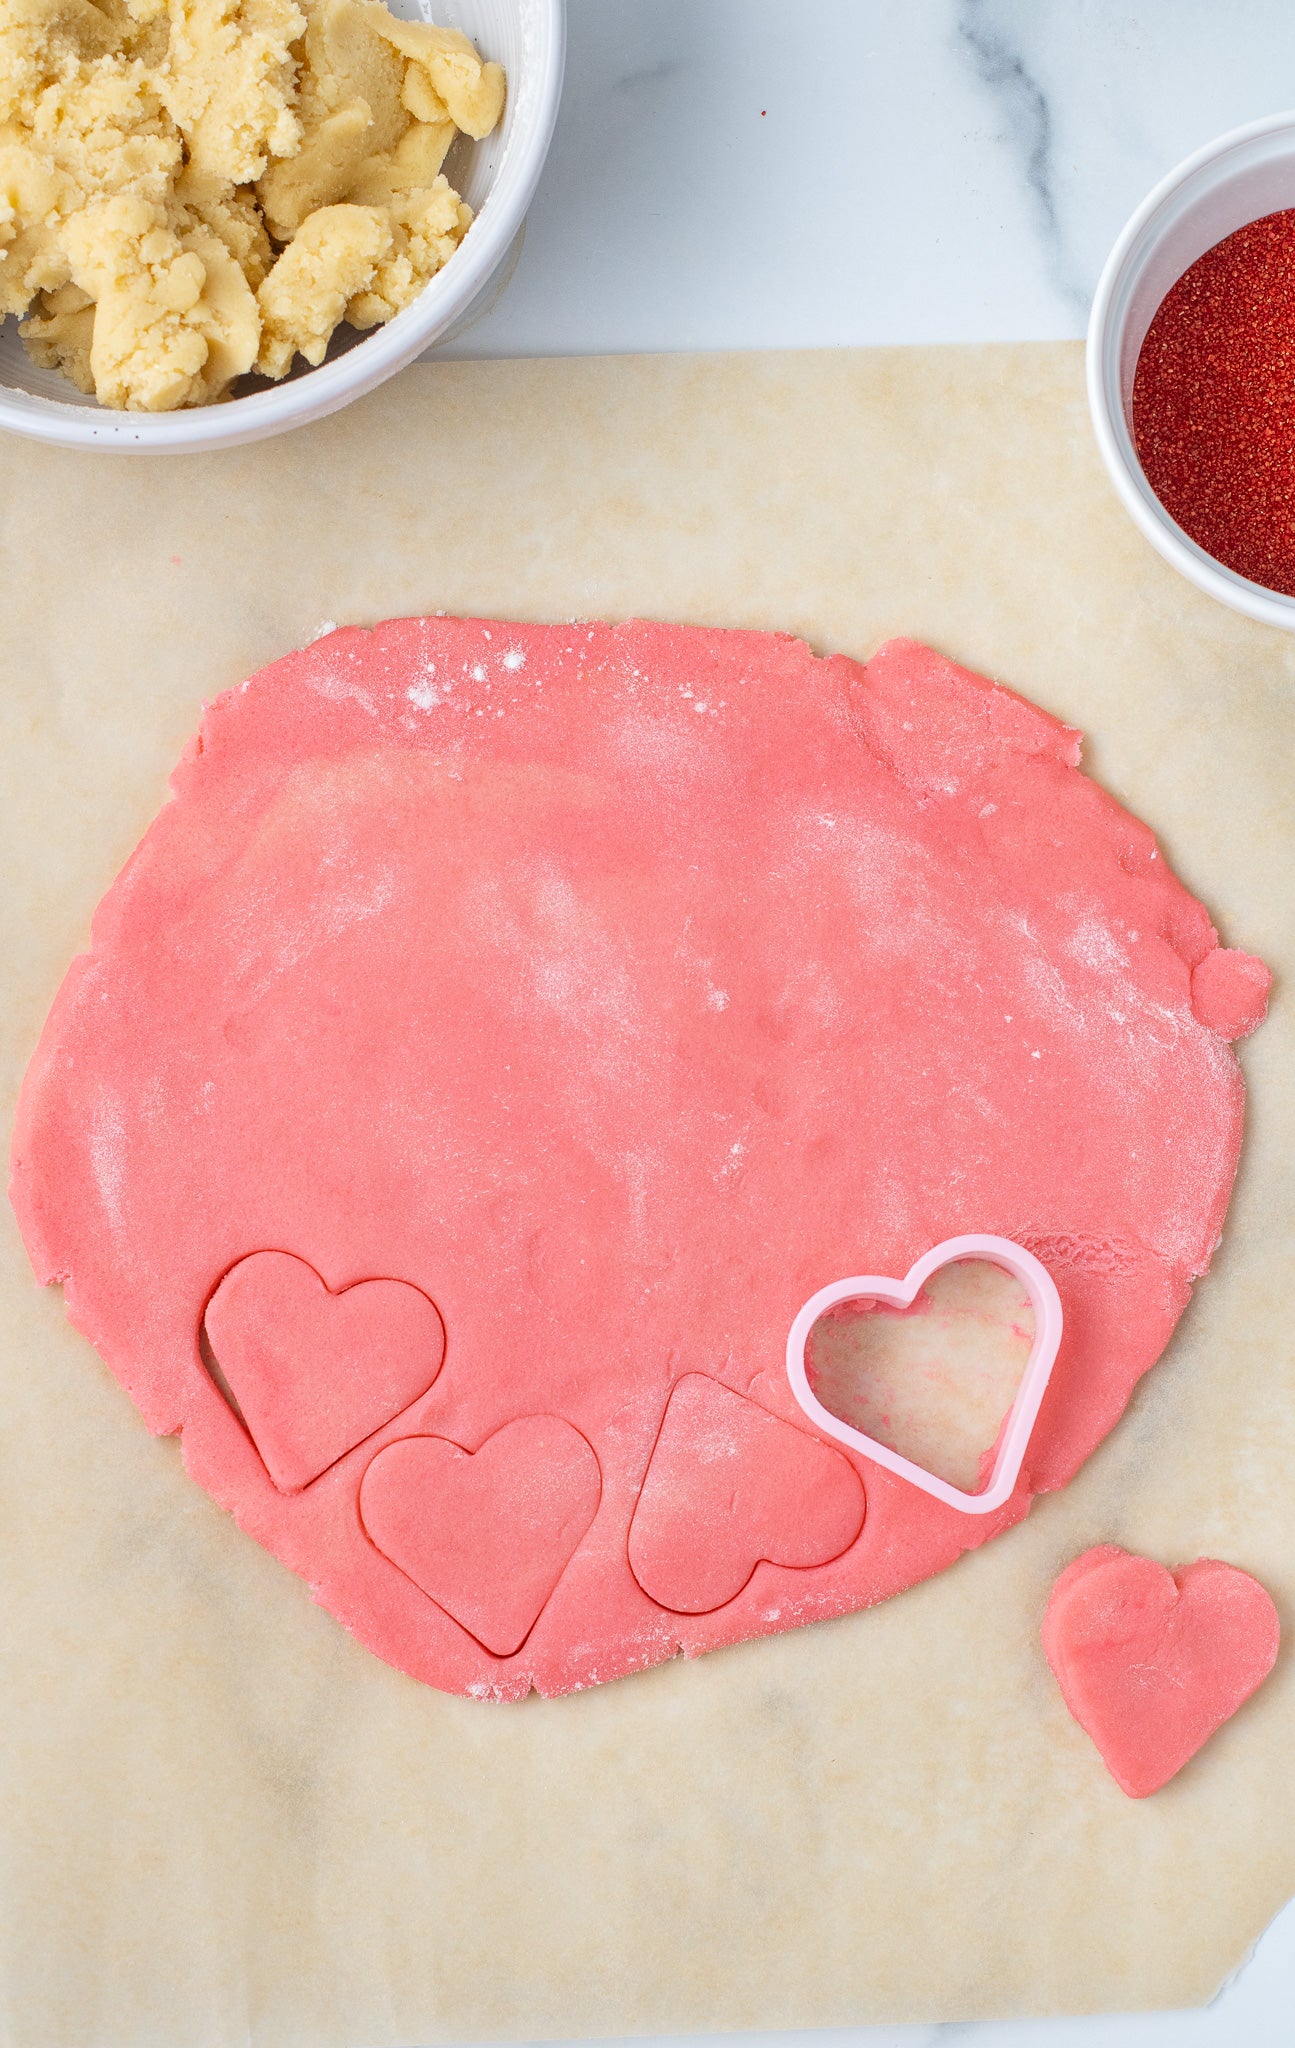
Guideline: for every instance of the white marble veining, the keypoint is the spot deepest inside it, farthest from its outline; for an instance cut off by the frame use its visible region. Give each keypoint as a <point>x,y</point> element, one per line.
<point>744,174</point>
<point>739,174</point>
<point>1119,94</point>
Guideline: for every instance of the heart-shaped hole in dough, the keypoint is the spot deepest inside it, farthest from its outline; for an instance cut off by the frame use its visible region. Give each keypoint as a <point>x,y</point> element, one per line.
<point>934,1380</point>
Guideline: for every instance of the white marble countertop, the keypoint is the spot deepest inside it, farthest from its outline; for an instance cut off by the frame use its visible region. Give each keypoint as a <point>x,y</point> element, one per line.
<point>745,174</point>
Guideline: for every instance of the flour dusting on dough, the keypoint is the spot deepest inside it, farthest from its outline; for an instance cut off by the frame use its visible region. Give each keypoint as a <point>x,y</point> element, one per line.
<point>107,1142</point>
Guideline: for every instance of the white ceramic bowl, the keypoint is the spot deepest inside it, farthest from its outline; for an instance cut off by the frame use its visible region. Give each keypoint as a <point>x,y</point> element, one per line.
<point>497,177</point>
<point>1223,187</point>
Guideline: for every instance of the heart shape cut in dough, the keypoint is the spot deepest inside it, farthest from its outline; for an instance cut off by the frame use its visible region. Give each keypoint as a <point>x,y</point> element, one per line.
<point>730,1486</point>
<point>486,1534</point>
<point>1150,1662</point>
<point>1009,1451</point>
<point>316,1372</point>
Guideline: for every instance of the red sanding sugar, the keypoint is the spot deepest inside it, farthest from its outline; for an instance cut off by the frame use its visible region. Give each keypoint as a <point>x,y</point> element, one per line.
<point>1214,402</point>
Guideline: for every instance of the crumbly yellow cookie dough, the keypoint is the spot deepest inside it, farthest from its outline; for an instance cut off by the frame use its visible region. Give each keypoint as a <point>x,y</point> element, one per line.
<point>193,188</point>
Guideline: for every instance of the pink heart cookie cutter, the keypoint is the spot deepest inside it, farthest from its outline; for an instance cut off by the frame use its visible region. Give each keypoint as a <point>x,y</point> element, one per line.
<point>1015,1435</point>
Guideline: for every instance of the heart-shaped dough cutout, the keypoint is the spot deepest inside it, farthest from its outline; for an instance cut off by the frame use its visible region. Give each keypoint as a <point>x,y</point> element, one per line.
<point>486,1534</point>
<point>1150,1662</point>
<point>729,1487</point>
<point>315,1372</point>
<point>1015,1433</point>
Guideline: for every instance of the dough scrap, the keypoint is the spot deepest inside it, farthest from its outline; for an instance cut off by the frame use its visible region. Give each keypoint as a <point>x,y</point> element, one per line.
<point>174,320</point>
<point>616,988</point>
<point>166,157</point>
<point>445,76</point>
<point>331,260</point>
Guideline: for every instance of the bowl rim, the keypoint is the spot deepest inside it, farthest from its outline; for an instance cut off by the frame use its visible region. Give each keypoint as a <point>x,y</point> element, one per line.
<point>1102,365</point>
<point>388,348</point>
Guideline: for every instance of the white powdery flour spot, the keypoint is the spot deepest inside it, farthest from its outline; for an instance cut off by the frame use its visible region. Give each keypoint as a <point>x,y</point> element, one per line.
<point>108,1158</point>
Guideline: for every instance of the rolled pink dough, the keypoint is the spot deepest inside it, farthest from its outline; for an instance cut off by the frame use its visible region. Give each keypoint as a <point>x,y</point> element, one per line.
<point>601,993</point>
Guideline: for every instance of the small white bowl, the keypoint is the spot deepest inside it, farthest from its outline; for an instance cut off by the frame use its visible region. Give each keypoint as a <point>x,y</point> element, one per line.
<point>497,177</point>
<point>1221,188</point>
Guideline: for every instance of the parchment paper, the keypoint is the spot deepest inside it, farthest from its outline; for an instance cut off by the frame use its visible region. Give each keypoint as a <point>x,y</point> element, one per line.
<point>224,1822</point>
